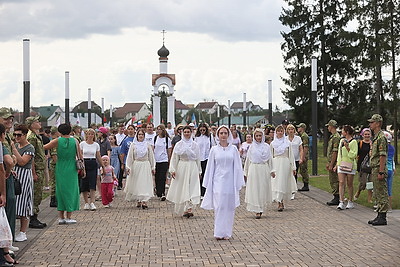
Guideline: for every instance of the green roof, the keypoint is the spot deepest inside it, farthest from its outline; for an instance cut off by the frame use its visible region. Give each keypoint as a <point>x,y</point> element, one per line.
<point>47,111</point>
<point>251,120</point>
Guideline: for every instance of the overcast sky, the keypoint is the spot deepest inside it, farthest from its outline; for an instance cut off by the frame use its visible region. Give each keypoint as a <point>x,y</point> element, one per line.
<point>218,49</point>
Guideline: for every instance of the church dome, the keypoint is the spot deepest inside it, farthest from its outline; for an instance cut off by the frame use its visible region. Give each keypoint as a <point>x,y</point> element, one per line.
<point>163,52</point>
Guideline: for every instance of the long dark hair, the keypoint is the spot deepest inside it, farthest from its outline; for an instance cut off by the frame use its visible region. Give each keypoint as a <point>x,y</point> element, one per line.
<point>202,125</point>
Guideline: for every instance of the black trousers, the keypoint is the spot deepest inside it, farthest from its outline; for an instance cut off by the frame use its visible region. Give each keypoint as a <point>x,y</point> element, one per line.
<point>160,177</point>
<point>203,170</point>
<point>297,169</point>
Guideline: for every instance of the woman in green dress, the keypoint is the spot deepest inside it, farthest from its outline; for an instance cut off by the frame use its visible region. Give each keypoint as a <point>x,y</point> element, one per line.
<point>67,189</point>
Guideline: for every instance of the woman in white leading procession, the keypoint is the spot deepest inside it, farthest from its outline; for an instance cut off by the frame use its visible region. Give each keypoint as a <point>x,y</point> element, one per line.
<point>257,170</point>
<point>140,167</point>
<point>185,170</point>
<point>223,180</point>
<point>283,168</point>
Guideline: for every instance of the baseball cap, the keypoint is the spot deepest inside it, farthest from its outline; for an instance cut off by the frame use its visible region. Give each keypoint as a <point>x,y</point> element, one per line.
<point>191,124</point>
<point>285,122</point>
<point>375,117</point>
<point>104,130</point>
<point>332,123</point>
<point>388,136</point>
<point>31,120</point>
<point>5,113</point>
<point>302,125</point>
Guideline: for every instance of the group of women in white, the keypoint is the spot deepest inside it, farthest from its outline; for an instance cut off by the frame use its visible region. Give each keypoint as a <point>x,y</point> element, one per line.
<point>269,170</point>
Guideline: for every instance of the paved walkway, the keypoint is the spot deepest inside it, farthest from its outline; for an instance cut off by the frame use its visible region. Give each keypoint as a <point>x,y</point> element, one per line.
<point>307,233</point>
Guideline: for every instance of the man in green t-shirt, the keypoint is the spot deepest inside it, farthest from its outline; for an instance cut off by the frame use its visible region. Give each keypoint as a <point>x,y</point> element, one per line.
<point>379,151</point>
<point>333,147</point>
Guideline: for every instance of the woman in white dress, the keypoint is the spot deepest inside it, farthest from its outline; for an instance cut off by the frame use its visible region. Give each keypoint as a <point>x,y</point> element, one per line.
<point>223,180</point>
<point>140,167</point>
<point>283,168</point>
<point>185,170</point>
<point>257,170</point>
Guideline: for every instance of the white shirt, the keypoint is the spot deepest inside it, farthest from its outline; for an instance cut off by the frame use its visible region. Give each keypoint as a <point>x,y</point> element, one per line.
<point>204,144</point>
<point>89,151</point>
<point>149,138</point>
<point>160,149</point>
<point>119,138</point>
<point>296,143</point>
<point>171,132</point>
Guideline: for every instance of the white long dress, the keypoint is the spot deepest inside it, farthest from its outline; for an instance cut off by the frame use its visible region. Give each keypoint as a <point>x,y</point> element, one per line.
<point>258,187</point>
<point>284,184</point>
<point>139,183</point>
<point>184,190</point>
<point>223,180</point>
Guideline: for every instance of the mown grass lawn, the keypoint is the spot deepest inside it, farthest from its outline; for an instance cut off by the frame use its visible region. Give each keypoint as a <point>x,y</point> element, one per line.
<point>322,181</point>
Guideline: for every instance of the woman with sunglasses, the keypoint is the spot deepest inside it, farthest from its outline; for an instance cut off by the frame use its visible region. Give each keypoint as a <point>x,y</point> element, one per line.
<point>204,141</point>
<point>24,153</point>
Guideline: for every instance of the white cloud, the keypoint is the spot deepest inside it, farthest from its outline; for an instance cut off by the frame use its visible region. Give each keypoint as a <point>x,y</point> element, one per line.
<point>218,50</point>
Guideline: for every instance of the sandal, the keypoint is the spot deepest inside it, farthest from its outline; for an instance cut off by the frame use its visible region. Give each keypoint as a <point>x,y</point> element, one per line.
<point>258,215</point>
<point>186,215</point>
<point>138,205</point>
<point>7,261</point>
<point>144,206</point>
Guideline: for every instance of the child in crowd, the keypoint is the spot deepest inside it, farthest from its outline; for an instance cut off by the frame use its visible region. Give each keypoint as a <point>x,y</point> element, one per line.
<point>107,182</point>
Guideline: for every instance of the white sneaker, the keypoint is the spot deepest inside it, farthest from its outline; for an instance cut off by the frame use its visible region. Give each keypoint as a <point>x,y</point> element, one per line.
<point>92,206</point>
<point>61,221</point>
<point>341,206</point>
<point>70,221</point>
<point>292,197</point>
<point>86,207</point>
<point>15,249</point>
<point>350,205</point>
<point>21,237</point>
<point>106,206</point>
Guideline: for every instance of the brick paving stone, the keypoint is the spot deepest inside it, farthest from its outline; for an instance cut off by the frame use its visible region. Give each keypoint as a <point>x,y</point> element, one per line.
<point>307,233</point>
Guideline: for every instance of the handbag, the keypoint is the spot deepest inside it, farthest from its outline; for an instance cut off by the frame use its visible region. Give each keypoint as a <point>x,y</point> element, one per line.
<point>345,166</point>
<point>17,186</point>
<point>365,167</point>
<point>5,230</point>
<point>80,164</point>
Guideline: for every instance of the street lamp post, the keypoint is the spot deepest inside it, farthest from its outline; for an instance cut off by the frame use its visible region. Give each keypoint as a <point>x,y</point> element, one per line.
<point>314,74</point>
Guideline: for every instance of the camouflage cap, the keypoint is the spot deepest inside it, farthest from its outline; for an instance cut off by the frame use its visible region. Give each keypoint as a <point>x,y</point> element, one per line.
<point>375,117</point>
<point>5,113</point>
<point>31,120</point>
<point>302,125</point>
<point>53,129</point>
<point>332,123</point>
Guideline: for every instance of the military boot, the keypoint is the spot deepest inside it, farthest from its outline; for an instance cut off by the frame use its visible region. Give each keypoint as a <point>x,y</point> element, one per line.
<point>381,219</point>
<point>372,221</point>
<point>334,201</point>
<point>53,202</point>
<point>304,188</point>
<point>35,223</point>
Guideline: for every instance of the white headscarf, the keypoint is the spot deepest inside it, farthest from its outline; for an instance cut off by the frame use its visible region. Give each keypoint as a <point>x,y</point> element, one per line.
<point>140,147</point>
<point>280,144</point>
<point>187,147</point>
<point>259,152</point>
<point>230,137</point>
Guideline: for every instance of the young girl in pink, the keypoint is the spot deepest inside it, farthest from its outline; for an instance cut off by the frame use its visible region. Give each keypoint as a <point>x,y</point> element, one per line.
<point>107,182</point>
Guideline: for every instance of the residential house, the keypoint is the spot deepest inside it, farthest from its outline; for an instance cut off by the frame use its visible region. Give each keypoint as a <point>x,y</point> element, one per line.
<point>209,107</point>
<point>181,108</point>
<point>237,107</point>
<point>138,111</point>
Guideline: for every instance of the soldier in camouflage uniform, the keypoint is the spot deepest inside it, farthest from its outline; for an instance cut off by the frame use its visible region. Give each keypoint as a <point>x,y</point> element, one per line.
<point>304,164</point>
<point>379,169</point>
<point>7,118</point>
<point>333,147</point>
<point>52,169</point>
<point>35,139</point>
